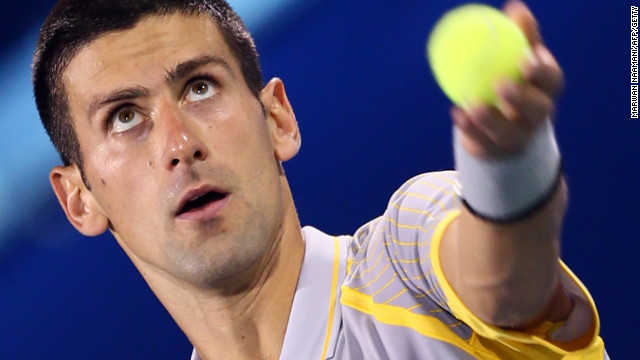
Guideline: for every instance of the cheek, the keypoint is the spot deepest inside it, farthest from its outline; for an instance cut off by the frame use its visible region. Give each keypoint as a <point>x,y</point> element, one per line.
<point>240,135</point>
<point>243,141</point>
<point>256,155</point>
<point>121,183</point>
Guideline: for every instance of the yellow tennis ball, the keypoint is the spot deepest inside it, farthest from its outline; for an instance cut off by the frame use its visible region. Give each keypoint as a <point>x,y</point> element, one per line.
<point>471,48</point>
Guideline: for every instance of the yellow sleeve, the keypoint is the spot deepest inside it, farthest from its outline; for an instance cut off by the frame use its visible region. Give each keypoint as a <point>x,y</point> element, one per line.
<point>500,343</point>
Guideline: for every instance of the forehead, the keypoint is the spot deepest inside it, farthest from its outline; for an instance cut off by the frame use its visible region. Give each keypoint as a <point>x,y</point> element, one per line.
<point>142,55</point>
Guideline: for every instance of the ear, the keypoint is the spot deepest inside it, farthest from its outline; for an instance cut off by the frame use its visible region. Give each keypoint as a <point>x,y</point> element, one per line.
<point>77,201</point>
<point>283,127</point>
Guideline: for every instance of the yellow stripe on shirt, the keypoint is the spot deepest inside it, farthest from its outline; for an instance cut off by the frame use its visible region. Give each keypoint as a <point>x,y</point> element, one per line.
<point>332,297</point>
<point>426,325</point>
<point>509,344</point>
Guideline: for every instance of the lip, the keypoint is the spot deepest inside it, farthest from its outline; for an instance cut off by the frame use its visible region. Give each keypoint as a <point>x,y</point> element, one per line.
<point>206,212</point>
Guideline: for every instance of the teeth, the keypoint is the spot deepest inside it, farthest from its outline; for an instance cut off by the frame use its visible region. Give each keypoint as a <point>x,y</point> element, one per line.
<point>196,197</point>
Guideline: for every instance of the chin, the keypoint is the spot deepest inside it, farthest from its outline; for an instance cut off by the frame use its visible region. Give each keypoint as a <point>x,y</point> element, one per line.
<point>221,268</point>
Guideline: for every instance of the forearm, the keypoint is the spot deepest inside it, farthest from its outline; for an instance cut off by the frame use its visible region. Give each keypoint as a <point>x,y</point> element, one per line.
<point>507,274</point>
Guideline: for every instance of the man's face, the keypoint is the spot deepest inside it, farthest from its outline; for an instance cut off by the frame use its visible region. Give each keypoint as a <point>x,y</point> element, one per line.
<point>163,115</point>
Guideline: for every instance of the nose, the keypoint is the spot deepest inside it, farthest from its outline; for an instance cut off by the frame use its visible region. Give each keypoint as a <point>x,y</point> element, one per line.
<point>183,144</point>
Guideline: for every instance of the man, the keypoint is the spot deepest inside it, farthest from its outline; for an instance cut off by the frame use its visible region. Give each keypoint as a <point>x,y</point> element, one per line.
<point>170,141</point>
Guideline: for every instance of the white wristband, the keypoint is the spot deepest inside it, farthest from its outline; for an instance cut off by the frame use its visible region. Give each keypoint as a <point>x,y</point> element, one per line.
<point>507,188</point>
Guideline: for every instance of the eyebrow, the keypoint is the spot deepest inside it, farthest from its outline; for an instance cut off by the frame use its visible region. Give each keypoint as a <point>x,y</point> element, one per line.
<point>181,70</point>
<point>186,67</point>
<point>116,96</point>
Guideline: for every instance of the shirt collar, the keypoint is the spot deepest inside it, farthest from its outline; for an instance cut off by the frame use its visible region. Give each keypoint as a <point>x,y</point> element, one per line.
<point>315,314</point>
<point>316,303</point>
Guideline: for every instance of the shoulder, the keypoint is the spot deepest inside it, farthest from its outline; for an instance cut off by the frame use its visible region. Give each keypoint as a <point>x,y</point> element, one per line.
<point>432,189</point>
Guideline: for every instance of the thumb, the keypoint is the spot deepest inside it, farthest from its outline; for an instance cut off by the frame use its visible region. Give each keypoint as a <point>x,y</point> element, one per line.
<point>520,14</point>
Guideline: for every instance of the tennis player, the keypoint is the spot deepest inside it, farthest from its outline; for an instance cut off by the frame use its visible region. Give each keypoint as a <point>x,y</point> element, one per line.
<point>170,141</point>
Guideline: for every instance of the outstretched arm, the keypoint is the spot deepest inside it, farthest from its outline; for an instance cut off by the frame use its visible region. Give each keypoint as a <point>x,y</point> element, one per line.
<point>507,273</point>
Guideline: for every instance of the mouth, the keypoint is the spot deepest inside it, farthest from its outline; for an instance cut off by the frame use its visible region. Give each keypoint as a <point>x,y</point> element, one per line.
<point>202,204</point>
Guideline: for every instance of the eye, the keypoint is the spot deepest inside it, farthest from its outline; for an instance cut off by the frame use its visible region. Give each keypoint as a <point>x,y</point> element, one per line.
<point>125,119</point>
<point>200,90</point>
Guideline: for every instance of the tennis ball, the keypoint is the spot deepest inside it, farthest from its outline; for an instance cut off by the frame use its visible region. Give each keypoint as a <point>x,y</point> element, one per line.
<point>470,48</point>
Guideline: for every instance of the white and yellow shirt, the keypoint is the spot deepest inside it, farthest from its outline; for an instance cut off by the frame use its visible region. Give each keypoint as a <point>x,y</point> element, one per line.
<point>381,294</point>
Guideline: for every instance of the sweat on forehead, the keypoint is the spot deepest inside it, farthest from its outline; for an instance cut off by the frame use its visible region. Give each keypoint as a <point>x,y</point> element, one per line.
<point>72,24</point>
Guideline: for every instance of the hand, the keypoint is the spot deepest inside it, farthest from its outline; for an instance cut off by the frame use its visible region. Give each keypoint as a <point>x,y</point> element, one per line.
<point>490,132</point>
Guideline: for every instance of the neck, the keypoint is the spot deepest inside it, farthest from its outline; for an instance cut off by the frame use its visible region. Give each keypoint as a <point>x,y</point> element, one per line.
<point>248,322</point>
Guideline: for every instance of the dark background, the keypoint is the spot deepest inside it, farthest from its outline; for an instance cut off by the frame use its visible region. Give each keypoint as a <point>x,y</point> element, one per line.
<point>371,116</point>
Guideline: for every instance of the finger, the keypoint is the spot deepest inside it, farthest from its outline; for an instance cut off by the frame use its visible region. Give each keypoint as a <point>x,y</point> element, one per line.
<point>474,141</point>
<point>543,71</point>
<point>530,105</point>
<point>507,135</point>
<point>520,14</point>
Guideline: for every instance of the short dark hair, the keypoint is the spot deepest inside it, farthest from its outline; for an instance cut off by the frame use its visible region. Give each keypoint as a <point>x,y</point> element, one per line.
<point>73,24</point>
